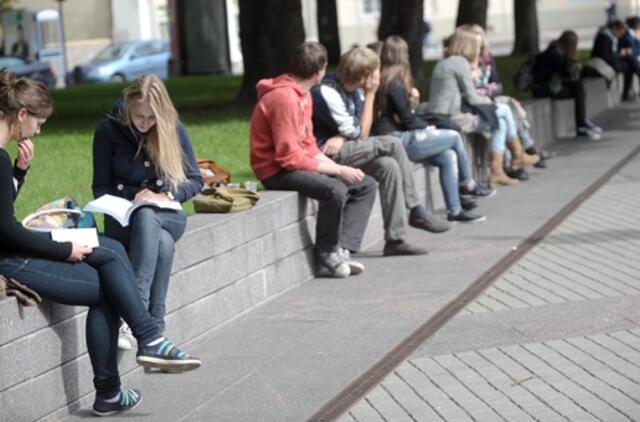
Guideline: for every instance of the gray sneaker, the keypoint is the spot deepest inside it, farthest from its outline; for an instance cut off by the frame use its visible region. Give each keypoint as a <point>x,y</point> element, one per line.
<point>354,266</point>
<point>332,264</point>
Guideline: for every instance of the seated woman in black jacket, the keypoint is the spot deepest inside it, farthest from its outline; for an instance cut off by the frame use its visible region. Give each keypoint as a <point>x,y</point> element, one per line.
<point>69,273</point>
<point>393,106</point>
<point>556,74</point>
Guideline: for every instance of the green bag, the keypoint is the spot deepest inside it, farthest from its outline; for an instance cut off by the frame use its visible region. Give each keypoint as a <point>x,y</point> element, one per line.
<point>223,199</point>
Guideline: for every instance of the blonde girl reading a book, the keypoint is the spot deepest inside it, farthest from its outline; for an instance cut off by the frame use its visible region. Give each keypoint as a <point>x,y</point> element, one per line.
<point>68,273</point>
<point>141,152</point>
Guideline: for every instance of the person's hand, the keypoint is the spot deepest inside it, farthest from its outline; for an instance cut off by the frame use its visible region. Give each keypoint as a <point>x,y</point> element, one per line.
<point>350,174</point>
<point>79,252</point>
<point>25,154</point>
<point>146,195</point>
<point>333,145</point>
<point>372,82</point>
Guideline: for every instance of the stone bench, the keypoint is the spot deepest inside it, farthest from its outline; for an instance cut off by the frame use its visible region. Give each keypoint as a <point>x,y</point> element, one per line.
<point>225,265</point>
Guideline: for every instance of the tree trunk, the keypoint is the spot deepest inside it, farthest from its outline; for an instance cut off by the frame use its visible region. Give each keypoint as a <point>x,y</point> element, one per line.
<point>327,15</point>
<point>269,31</point>
<point>472,11</point>
<point>526,27</point>
<point>405,18</point>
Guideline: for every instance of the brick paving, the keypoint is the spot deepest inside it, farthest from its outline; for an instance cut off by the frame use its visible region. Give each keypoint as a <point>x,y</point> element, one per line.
<point>592,257</point>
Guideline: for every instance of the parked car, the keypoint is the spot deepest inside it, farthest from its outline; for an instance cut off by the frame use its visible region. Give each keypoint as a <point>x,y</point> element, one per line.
<point>125,61</point>
<point>38,71</point>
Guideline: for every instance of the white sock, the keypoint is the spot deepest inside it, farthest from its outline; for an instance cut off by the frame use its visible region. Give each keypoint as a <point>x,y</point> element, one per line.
<point>156,341</point>
<point>114,399</point>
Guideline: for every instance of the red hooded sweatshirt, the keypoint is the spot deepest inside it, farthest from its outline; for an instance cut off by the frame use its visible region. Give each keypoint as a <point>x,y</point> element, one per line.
<point>281,129</point>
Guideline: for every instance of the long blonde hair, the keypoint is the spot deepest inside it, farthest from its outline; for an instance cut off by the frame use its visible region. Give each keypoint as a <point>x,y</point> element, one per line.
<point>163,142</point>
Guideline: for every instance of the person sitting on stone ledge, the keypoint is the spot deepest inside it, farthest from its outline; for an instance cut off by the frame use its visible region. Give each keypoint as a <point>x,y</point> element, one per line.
<point>284,156</point>
<point>342,120</point>
<point>69,273</point>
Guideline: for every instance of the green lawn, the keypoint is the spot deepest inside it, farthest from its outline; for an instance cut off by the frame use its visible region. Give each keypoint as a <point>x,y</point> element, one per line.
<point>218,128</point>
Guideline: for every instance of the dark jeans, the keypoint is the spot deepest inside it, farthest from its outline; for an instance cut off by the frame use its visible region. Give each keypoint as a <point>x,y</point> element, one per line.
<point>570,89</point>
<point>344,209</point>
<point>150,240</point>
<point>105,283</point>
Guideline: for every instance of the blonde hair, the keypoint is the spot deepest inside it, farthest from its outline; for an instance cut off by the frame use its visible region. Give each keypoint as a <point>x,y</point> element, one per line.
<point>464,43</point>
<point>163,142</point>
<point>356,64</point>
<point>478,31</point>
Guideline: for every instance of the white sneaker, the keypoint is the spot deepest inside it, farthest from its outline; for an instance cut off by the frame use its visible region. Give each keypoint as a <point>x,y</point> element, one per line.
<point>355,266</point>
<point>126,341</point>
<point>332,264</point>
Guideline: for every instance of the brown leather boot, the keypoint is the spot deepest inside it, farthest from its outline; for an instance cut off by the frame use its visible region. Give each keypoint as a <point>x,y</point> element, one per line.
<point>498,176</point>
<point>519,157</point>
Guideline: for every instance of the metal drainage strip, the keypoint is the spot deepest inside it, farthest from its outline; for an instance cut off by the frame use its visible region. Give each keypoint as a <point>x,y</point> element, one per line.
<point>374,375</point>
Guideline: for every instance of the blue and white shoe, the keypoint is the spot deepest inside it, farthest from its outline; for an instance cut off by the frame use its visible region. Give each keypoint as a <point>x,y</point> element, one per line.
<point>167,357</point>
<point>129,399</point>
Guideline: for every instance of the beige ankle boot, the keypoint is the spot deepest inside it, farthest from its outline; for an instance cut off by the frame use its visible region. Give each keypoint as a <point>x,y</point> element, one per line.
<point>498,176</point>
<point>519,157</point>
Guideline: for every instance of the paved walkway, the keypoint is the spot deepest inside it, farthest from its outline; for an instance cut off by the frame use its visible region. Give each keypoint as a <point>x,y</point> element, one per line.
<point>285,359</point>
<point>557,337</point>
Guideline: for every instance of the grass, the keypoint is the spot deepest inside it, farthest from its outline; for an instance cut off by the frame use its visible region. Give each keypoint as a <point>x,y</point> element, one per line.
<point>218,128</point>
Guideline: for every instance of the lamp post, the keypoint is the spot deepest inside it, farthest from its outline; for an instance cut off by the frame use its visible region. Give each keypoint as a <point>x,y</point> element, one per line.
<point>62,40</point>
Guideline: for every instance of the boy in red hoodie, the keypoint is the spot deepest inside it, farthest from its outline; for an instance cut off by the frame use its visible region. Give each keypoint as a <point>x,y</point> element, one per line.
<point>284,156</point>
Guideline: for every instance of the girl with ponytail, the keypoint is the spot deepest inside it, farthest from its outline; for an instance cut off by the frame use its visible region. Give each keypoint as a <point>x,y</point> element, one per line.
<point>68,273</point>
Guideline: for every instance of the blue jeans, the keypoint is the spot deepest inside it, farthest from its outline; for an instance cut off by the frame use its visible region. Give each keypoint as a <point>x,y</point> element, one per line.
<point>506,131</point>
<point>105,283</point>
<point>442,148</point>
<point>150,240</point>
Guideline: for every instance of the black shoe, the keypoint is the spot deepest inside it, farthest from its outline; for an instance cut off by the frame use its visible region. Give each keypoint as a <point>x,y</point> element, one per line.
<point>129,399</point>
<point>400,247</point>
<point>468,203</point>
<point>478,190</point>
<point>543,153</point>
<point>466,217</point>
<point>430,223</point>
<point>542,164</point>
<point>520,174</point>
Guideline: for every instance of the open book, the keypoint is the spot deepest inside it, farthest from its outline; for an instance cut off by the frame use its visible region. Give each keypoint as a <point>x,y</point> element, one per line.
<point>85,237</point>
<point>121,209</point>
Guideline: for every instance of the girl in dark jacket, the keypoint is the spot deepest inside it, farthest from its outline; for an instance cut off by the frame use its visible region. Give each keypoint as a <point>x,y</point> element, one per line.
<point>556,74</point>
<point>142,153</point>
<point>395,102</point>
<point>69,273</point>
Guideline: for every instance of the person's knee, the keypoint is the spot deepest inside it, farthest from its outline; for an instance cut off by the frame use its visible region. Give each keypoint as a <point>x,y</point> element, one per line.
<point>145,216</point>
<point>166,245</point>
<point>387,170</point>
<point>112,245</point>
<point>335,191</point>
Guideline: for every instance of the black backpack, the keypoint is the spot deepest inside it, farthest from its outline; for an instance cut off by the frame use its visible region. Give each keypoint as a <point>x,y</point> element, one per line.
<point>523,79</point>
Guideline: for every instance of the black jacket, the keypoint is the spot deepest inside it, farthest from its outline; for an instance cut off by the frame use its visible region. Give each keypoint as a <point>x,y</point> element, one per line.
<point>398,105</point>
<point>603,47</point>
<point>547,64</point>
<point>122,168</point>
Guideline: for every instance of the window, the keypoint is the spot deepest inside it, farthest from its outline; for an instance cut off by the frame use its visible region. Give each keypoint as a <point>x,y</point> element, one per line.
<point>371,6</point>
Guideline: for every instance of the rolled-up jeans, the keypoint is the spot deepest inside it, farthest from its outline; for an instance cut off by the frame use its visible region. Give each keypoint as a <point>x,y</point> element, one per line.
<point>105,283</point>
<point>506,130</point>
<point>442,148</point>
<point>150,240</point>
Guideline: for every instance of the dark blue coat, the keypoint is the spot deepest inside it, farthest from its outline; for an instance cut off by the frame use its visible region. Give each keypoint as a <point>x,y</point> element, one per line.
<point>122,168</point>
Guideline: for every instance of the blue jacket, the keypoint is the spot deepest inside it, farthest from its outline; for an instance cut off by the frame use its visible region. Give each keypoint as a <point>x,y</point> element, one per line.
<point>120,170</point>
